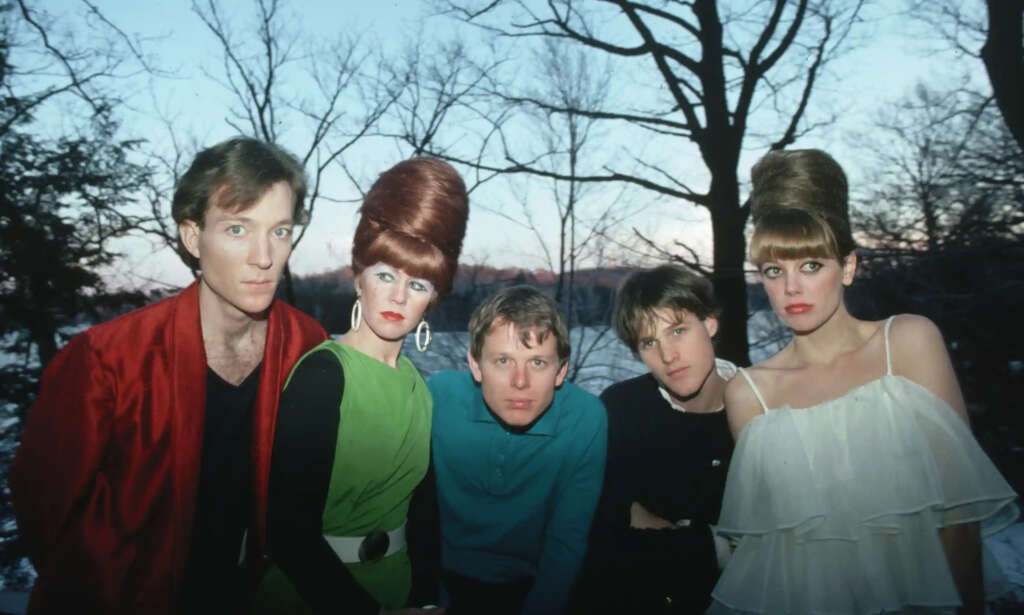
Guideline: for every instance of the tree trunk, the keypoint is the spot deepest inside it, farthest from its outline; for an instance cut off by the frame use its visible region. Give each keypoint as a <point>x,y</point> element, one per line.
<point>727,224</point>
<point>45,337</point>
<point>1004,62</point>
<point>289,288</point>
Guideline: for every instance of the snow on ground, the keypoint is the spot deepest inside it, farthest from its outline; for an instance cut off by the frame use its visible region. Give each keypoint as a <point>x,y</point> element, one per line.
<point>13,603</point>
<point>1008,549</point>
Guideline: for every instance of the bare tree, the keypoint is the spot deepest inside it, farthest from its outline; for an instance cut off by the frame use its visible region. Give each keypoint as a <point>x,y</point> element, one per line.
<point>437,79</point>
<point>168,161</point>
<point>947,178</point>
<point>996,40</point>
<point>564,141</point>
<point>942,234</point>
<point>67,193</point>
<point>48,69</point>
<point>321,96</point>
<point>446,86</point>
<point>566,78</point>
<point>946,216</point>
<point>696,74</point>
<point>1003,54</point>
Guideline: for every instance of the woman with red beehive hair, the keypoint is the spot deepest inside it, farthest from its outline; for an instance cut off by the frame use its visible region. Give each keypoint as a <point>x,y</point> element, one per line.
<point>353,433</point>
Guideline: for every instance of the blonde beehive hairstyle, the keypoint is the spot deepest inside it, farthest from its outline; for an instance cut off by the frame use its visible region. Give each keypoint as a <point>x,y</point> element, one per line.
<point>800,207</point>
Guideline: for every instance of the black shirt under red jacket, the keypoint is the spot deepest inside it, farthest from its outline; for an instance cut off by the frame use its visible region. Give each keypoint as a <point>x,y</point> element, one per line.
<point>674,463</point>
<point>106,479</point>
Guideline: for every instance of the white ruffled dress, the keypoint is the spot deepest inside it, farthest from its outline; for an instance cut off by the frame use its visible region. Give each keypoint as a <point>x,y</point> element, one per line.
<point>837,506</point>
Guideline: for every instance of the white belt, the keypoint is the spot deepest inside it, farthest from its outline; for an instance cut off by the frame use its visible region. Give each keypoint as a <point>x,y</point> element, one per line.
<point>347,548</point>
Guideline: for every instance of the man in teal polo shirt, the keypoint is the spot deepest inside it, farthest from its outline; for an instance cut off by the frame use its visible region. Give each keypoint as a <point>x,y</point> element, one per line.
<point>518,460</point>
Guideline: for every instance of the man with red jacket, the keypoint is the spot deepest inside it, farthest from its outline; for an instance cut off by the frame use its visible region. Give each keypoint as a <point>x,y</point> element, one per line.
<point>141,481</point>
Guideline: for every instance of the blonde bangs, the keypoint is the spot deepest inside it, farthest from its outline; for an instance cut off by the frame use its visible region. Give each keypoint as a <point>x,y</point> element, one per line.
<point>784,234</point>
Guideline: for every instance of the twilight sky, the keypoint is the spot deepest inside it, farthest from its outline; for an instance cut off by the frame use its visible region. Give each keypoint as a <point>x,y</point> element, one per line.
<point>892,55</point>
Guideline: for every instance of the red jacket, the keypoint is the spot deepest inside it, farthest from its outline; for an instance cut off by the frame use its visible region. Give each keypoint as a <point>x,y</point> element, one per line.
<point>106,477</point>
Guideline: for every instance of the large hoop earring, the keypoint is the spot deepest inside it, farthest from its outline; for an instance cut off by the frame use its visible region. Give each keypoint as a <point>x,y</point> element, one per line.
<point>422,345</point>
<point>357,315</point>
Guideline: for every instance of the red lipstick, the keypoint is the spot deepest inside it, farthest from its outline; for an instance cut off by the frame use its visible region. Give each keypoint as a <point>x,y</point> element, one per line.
<point>797,308</point>
<point>392,316</point>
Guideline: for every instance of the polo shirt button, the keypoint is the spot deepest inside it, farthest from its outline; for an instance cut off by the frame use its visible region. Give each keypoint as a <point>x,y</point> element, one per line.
<point>715,463</point>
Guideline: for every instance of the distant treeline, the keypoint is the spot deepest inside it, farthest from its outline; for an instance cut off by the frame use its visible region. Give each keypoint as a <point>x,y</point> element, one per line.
<point>977,300</point>
<point>328,296</point>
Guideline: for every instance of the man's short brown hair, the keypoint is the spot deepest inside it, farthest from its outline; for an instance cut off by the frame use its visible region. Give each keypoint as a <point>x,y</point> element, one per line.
<point>233,175</point>
<point>666,286</point>
<point>529,310</point>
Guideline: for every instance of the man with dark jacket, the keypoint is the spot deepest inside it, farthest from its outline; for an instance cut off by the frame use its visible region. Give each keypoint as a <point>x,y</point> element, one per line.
<point>652,546</point>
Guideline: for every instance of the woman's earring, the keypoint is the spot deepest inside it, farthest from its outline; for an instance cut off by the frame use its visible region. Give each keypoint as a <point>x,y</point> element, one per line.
<point>421,344</point>
<point>357,315</point>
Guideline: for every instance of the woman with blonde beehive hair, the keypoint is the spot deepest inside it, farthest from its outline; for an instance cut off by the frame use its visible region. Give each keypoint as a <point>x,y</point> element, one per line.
<point>856,485</point>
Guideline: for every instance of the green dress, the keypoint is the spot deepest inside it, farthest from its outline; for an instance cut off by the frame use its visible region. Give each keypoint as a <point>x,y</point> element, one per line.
<point>382,453</point>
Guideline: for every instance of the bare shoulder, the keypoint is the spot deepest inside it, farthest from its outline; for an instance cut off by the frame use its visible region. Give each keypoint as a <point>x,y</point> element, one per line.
<point>911,326</point>
<point>738,392</point>
<point>741,403</point>
<point>919,354</point>
<point>914,338</point>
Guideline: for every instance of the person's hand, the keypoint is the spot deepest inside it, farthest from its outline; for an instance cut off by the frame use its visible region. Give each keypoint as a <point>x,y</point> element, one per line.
<point>642,519</point>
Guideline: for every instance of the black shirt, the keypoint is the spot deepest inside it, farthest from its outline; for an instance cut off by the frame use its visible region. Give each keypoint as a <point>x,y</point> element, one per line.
<point>300,475</point>
<point>673,463</point>
<point>214,578</point>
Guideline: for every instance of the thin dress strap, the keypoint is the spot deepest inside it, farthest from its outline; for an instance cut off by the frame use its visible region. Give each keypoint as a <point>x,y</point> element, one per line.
<point>753,387</point>
<point>888,354</point>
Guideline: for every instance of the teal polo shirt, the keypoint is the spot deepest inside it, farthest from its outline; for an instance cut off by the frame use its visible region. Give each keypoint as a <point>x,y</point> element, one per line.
<point>513,504</point>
